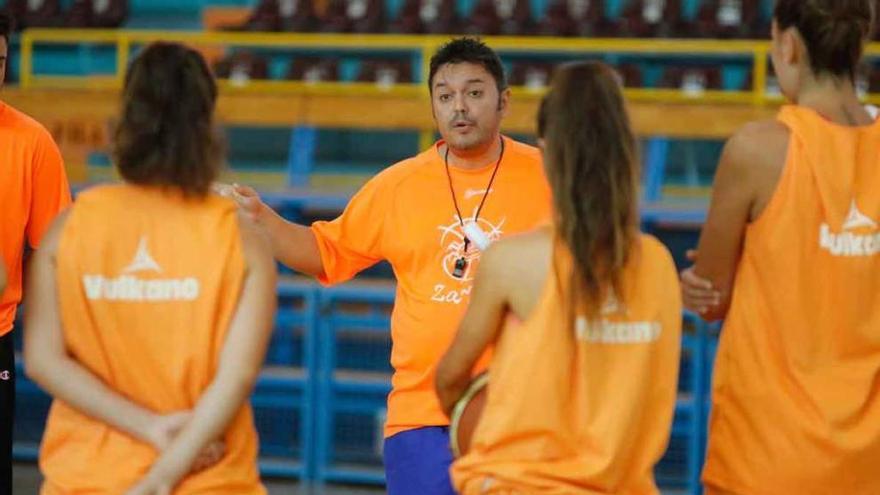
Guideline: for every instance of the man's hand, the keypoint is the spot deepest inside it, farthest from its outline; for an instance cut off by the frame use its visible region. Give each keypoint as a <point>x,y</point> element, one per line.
<point>247,199</point>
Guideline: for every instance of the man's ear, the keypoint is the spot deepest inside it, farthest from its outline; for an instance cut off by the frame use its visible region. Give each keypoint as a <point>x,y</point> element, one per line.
<point>504,101</point>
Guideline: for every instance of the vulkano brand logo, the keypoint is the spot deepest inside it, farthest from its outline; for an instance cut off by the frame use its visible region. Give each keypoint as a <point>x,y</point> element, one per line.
<point>130,288</point>
<point>603,331</point>
<point>853,240</point>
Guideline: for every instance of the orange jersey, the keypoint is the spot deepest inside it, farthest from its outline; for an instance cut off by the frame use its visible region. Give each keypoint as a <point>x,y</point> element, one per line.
<point>33,189</point>
<point>796,402</point>
<point>406,215</point>
<point>147,283</point>
<point>584,408</point>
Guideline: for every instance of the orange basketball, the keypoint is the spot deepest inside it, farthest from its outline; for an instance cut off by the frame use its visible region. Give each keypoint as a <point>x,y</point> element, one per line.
<point>466,415</point>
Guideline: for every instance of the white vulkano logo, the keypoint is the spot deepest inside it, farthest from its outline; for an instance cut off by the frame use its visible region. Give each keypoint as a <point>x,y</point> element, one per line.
<point>130,288</point>
<point>603,331</point>
<point>847,242</point>
<point>142,260</point>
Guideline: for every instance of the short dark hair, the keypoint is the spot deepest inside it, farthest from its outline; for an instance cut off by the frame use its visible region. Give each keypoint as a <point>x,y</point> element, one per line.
<point>7,25</point>
<point>835,31</point>
<point>468,50</point>
<point>166,135</point>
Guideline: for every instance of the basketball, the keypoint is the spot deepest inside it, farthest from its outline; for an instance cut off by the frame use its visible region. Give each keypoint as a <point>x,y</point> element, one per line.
<point>466,415</point>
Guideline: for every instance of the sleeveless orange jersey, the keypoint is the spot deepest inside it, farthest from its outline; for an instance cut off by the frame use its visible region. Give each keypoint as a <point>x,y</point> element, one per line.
<point>796,401</point>
<point>148,283</point>
<point>586,409</point>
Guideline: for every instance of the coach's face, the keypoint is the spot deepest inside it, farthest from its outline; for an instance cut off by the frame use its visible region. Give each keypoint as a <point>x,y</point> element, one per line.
<point>4,47</point>
<point>467,106</point>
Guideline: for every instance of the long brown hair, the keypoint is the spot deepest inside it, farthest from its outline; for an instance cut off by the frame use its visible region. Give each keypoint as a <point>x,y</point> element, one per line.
<point>592,165</point>
<point>166,135</point>
<point>834,31</point>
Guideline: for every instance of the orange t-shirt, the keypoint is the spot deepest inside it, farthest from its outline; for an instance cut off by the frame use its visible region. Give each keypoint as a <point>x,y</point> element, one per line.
<point>406,215</point>
<point>796,401</point>
<point>586,409</point>
<point>33,189</point>
<point>147,283</point>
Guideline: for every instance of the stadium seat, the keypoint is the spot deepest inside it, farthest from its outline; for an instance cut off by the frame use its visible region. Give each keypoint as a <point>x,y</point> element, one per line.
<point>484,19</point>
<point>35,13</point>
<point>500,17</point>
<point>354,16</point>
<point>572,18</point>
<point>647,19</point>
<point>692,80</point>
<point>385,73</point>
<point>264,17</point>
<point>282,15</point>
<point>408,20</point>
<point>241,67</point>
<point>516,18</point>
<point>313,69</point>
<point>726,19</point>
<point>532,74</point>
<point>97,14</point>
<point>426,16</point>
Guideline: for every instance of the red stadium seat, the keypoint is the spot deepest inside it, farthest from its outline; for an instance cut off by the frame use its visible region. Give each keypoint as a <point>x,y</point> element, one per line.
<point>242,67</point>
<point>313,69</point>
<point>264,17</point>
<point>532,74</point>
<point>35,13</point>
<point>97,13</point>
<point>426,16</point>
<point>726,19</point>
<point>298,16</point>
<point>516,17</point>
<point>385,73</point>
<point>501,17</point>
<point>355,16</point>
<point>572,18</point>
<point>483,19</point>
<point>691,80</point>
<point>282,15</point>
<point>648,18</point>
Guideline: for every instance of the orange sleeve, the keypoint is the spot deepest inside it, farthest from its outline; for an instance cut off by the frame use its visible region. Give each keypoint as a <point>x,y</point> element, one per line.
<point>51,191</point>
<point>353,241</point>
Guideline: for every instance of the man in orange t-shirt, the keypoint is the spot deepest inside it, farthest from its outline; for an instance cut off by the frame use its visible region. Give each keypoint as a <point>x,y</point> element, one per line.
<point>33,188</point>
<point>430,216</point>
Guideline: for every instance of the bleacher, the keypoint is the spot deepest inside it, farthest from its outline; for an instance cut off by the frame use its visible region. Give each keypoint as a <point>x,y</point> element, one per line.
<point>318,95</point>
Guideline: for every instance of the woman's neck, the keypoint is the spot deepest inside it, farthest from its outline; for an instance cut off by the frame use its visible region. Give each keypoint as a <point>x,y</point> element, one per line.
<point>836,100</point>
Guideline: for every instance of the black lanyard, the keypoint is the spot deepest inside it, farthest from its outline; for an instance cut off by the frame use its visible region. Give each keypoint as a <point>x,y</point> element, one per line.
<point>461,262</point>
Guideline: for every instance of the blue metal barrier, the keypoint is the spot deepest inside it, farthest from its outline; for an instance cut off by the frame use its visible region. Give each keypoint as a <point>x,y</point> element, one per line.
<point>352,388</point>
<point>319,404</point>
<point>284,397</point>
